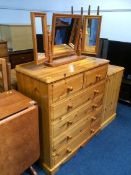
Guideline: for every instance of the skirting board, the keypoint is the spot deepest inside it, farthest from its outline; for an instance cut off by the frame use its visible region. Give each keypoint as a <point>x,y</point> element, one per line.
<point>108,121</point>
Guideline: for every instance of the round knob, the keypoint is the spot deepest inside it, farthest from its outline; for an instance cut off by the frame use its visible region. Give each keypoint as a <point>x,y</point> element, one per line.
<point>93,118</point>
<point>92,130</point>
<point>70,89</point>
<point>69,137</point>
<point>69,150</point>
<point>96,91</point>
<point>69,123</point>
<point>98,77</point>
<point>95,106</point>
<point>70,106</point>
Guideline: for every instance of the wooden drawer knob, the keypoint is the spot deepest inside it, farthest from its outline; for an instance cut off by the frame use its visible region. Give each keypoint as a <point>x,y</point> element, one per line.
<point>69,89</point>
<point>55,154</point>
<point>69,150</point>
<point>69,123</point>
<point>92,130</point>
<point>94,106</point>
<point>69,137</point>
<point>93,118</point>
<point>98,77</point>
<point>70,106</point>
<point>96,91</point>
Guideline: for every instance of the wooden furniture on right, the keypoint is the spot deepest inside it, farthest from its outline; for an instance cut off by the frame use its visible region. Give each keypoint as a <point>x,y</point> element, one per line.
<point>70,99</point>
<point>19,133</point>
<point>112,89</point>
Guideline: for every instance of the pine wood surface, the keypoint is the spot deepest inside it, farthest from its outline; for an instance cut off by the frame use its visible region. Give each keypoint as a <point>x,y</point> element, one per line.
<point>48,74</point>
<point>64,98</point>
<point>113,83</point>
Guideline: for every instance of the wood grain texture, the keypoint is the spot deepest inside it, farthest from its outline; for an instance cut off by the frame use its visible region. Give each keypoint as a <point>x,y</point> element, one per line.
<point>12,102</point>
<point>113,83</point>
<point>19,138</point>
<point>66,117</point>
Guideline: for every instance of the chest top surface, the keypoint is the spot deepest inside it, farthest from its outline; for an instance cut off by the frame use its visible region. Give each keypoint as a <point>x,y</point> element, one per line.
<point>12,102</point>
<point>112,69</point>
<point>50,74</point>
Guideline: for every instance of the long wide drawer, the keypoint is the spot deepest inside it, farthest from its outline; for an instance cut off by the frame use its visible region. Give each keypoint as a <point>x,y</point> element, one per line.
<point>68,136</point>
<point>65,152</point>
<point>65,106</point>
<point>95,75</point>
<point>64,123</point>
<point>66,87</point>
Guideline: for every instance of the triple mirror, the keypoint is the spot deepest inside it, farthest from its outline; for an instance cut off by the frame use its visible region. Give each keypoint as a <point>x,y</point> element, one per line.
<point>91,34</point>
<point>65,34</point>
<point>40,44</point>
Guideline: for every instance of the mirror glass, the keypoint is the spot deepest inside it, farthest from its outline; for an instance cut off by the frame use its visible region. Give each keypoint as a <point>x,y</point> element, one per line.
<point>65,35</point>
<point>91,33</point>
<point>39,38</point>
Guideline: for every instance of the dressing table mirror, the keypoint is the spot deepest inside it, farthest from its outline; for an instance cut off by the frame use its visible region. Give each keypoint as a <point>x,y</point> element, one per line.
<point>39,28</point>
<point>65,34</point>
<point>91,34</point>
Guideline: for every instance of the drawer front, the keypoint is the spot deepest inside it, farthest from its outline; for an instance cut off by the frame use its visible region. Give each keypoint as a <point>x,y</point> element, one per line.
<point>96,119</point>
<point>69,135</point>
<point>63,88</point>
<point>64,123</point>
<point>93,76</point>
<point>68,105</point>
<point>3,50</point>
<point>59,155</point>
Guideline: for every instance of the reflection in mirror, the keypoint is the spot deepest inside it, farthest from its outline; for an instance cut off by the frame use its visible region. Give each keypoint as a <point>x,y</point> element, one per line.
<point>65,34</point>
<point>39,33</point>
<point>91,33</point>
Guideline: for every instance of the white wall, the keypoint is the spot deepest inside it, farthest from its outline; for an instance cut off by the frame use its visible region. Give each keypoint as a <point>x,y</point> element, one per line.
<point>115,25</point>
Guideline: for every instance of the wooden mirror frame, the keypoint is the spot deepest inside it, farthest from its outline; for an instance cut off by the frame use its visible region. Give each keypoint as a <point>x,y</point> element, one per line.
<point>85,18</point>
<point>74,50</point>
<point>34,38</point>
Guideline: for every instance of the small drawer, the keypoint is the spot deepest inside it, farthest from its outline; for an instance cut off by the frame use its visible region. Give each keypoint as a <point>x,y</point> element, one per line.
<point>96,125</point>
<point>64,123</point>
<point>63,88</point>
<point>65,106</point>
<point>97,102</point>
<point>95,75</point>
<point>68,136</point>
<point>98,89</point>
<point>68,149</point>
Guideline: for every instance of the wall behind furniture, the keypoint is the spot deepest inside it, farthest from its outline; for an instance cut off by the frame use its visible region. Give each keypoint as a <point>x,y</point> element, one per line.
<point>116,23</point>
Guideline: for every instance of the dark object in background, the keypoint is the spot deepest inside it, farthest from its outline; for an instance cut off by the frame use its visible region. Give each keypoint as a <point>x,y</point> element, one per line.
<point>19,57</point>
<point>119,53</point>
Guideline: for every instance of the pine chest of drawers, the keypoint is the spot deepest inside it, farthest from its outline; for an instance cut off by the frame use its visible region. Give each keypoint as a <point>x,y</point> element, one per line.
<point>70,99</point>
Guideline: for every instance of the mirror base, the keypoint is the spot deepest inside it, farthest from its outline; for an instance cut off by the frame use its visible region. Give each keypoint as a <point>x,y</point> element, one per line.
<point>64,60</point>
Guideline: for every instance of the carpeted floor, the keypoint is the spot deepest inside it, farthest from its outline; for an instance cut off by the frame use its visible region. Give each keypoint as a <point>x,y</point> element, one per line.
<point>109,153</point>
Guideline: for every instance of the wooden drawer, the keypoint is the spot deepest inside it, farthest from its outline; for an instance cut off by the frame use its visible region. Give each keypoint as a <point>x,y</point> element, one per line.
<point>66,87</point>
<point>66,122</point>
<point>96,119</point>
<point>65,106</point>
<point>95,75</point>
<point>69,135</point>
<point>65,152</point>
